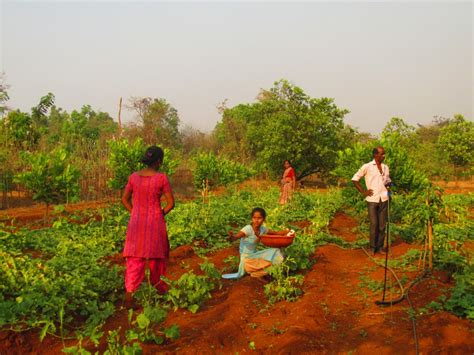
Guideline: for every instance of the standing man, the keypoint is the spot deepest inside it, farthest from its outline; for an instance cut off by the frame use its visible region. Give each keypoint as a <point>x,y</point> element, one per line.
<point>377,179</point>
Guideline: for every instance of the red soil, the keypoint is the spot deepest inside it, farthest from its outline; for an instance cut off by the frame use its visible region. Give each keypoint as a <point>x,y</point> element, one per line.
<point>456,187</point>
<point>335,313</point>
<point>21,216</point>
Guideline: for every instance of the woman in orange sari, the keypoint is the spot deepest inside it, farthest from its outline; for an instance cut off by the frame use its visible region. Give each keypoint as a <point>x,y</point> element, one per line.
<point>288,183</point>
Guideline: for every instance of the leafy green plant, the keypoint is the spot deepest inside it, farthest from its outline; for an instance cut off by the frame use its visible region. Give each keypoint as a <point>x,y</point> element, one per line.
<point>284,286</point>
<point>125,158</point>
<point>456,140</point>
<point>215,171</point>
<point>116,347</point>
<point>285,123</point>
<point>145,324</point>
<point>50,177</point>
<point>461,301</point>
<point>191,290</point>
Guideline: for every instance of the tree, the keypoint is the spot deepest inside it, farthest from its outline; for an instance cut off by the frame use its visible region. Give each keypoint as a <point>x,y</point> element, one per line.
<point>424,144</point>
<point>3,95</point>
<point>50,177</point>
<point>285,123</point>
<point>87,127</point>
<point>18,127</point>
<point>158,121</point>
<point>231,133</point>
<point>211,171</point>
<point>125,158</point>
<point>194,140</point>
<point>456,141</point>
<point>398,129</point>
<point>25,130</point>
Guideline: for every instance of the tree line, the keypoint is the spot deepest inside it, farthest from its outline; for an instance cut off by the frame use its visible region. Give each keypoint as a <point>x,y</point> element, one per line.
<point>250,139</point>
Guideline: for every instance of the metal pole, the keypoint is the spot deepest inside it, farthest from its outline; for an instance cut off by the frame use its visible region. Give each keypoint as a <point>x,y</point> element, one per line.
<point>387,235</point>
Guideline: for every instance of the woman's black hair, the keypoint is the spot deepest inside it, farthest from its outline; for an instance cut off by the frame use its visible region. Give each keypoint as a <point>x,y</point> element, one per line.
<point>259,210</point>
<point>289,162</point>
<point>152,155</point>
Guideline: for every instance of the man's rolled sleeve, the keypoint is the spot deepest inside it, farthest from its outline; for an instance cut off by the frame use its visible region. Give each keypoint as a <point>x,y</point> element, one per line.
<point>387,178</point>
<point>360,173</point>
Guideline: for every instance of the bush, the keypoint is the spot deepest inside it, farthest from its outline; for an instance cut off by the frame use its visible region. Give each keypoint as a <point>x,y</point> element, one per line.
<point>217,171</point>
<point>51,178</point>
<point>125,158</point>
<point>461,302</point>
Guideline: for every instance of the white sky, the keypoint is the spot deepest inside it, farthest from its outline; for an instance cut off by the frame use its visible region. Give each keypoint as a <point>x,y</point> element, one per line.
<point>377,59</point>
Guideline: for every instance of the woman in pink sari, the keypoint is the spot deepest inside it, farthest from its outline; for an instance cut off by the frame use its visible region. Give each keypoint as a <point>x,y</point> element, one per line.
<point>288,183</point>
<point>147,239</point>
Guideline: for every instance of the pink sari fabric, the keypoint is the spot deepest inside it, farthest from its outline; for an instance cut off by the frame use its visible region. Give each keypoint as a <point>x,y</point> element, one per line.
<point>287,186</point>
<point>135,273</point>
<point>146,232</point>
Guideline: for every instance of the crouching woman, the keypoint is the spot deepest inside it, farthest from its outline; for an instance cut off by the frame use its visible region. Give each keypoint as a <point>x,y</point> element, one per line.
<point>255,262</point>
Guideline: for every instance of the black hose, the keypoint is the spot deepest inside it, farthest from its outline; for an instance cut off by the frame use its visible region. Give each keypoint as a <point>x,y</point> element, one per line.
<point>413,323</point>
<point>402,297</point>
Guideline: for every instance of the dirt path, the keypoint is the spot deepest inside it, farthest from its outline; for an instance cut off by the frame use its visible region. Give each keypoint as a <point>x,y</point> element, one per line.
<point>336,313</point>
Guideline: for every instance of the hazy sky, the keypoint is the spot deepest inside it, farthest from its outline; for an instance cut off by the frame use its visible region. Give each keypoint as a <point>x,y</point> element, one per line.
<point>377,59</point>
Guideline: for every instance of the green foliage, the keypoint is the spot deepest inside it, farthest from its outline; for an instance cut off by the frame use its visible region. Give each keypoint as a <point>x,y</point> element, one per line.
<point>283,286</point>
<point>161,116</point>
<point>19,129</point>
<point>403,172</point>
<point>50,177</point>
<point>160,121</point>
<point>6,170</point>
<point>80,127</point>
<point>456,140</point>
<point>397,127</point>
<point>116,347</point>
<point>58,275</point>
<point>231,133</point>
<point>349,161</point>
<point>125,158</point>
<point>461,301</point>
<point>217,171</point>
<point>403,169</point>
<point>285,124</point>
<point>145,323</point>
<point>424,143</point>
<point>3,95</point>
<point>191,290</point>
<point>43,106</point>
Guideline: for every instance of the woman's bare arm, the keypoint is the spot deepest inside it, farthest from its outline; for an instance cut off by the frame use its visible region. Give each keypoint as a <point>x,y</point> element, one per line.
<point>240,234</point>
<point>127,200</point>
<point>169,198</point>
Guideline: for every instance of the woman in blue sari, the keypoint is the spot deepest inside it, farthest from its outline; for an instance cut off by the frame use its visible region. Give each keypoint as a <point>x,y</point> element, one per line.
<point>252,261</point>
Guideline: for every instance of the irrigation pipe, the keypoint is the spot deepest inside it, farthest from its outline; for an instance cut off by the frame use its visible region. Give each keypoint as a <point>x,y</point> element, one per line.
<point>402,289</point>
<point>403,296</point>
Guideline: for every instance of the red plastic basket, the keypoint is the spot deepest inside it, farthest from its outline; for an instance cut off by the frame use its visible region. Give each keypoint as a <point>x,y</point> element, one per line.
<point>276,241</point>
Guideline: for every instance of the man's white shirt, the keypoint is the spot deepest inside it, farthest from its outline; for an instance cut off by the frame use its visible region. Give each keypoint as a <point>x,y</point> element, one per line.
<point>374,180</point>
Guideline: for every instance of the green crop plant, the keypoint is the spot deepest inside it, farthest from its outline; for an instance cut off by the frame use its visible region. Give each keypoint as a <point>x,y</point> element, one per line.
<point>50,177</point>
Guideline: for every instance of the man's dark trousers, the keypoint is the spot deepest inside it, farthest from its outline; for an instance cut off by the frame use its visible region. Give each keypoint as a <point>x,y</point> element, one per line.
<point>378,213</point>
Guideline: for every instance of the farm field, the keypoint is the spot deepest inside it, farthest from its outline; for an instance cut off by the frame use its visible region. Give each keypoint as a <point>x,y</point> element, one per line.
<point>199,137</point>
<point>331,310</point>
